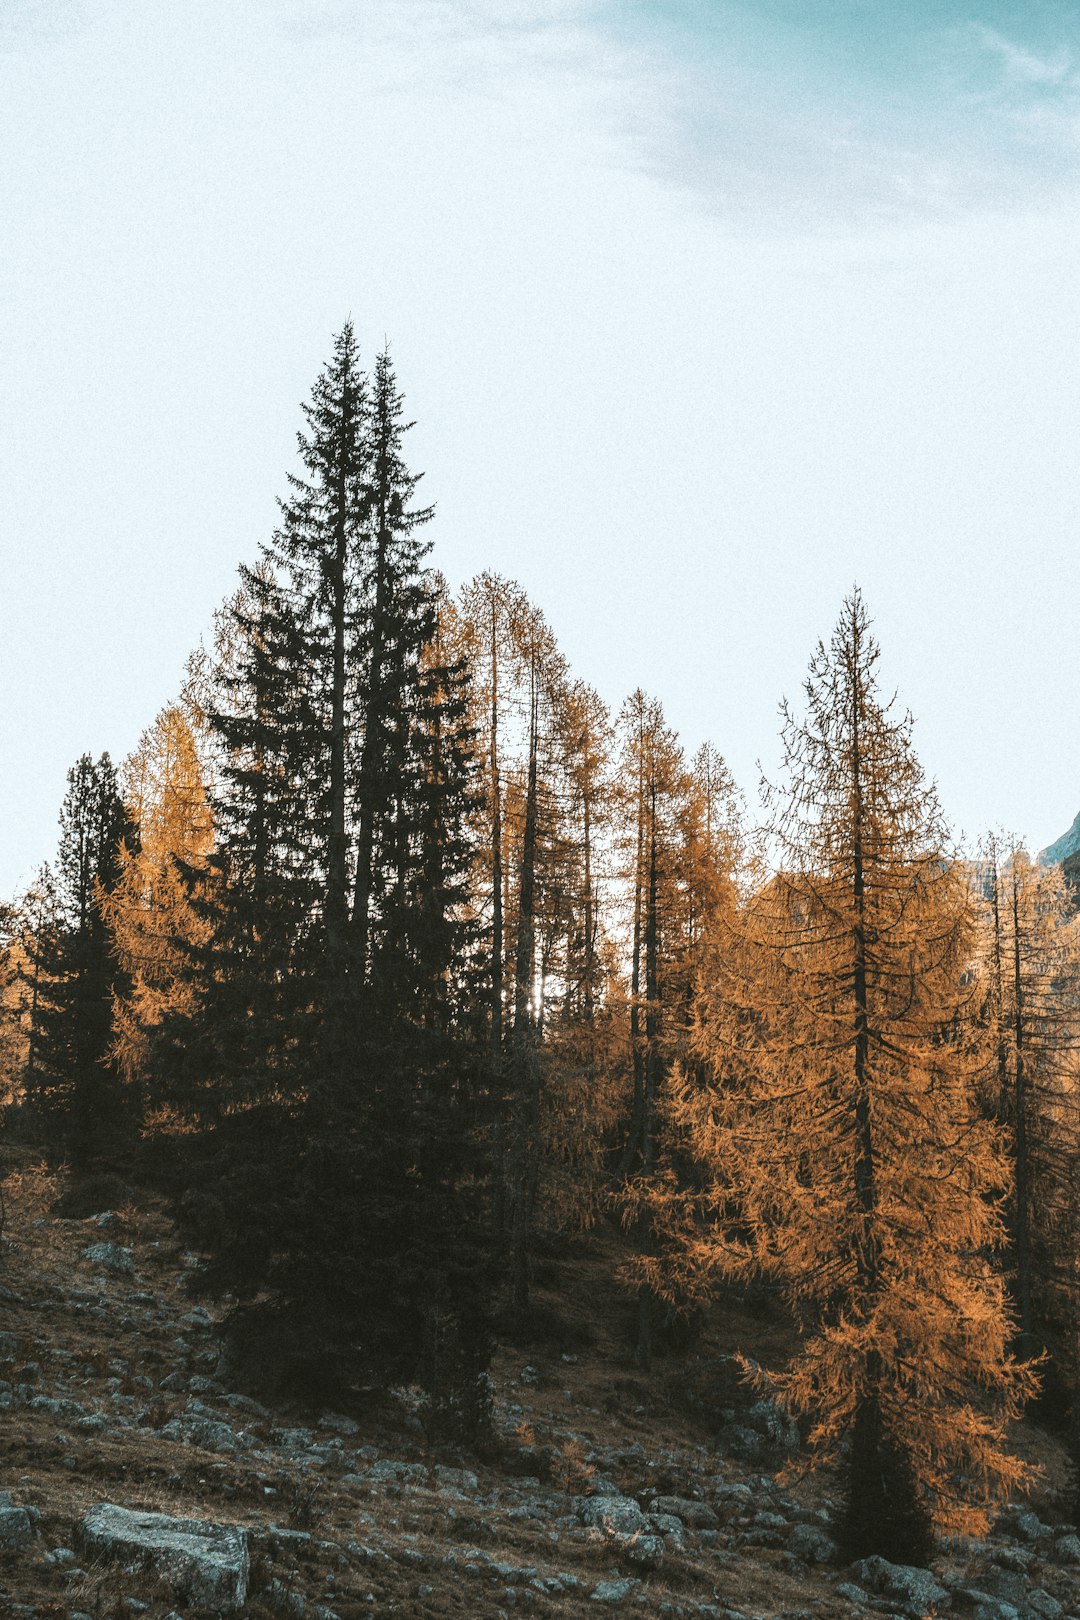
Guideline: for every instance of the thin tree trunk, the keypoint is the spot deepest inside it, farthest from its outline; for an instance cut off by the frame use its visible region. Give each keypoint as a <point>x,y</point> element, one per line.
<point>1023,1236</point>
<point>526,1074</point>
<point>637,1119</point>
<point>865,1191</point>
<point>336,878</point>
<point>589,925</point>
<point>651,1085</point>
<point>999,996</point>
<point>372,788</point>
<point>497,947</point>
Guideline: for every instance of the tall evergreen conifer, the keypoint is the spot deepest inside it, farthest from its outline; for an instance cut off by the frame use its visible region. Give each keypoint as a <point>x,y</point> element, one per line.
<point>337,980</point>
<point>72,1082</point>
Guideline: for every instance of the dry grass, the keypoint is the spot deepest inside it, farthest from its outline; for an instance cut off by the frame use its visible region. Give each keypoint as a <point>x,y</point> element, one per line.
<point>585,1397</point>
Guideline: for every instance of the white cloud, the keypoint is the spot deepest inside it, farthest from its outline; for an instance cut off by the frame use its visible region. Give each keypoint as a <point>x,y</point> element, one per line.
<point>1024,66</point>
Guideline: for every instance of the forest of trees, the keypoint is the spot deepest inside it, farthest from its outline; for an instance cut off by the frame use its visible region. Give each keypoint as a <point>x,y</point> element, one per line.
<point>391,948</point>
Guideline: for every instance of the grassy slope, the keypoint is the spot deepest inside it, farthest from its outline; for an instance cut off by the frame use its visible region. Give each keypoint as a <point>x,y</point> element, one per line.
<point>422,1549</point>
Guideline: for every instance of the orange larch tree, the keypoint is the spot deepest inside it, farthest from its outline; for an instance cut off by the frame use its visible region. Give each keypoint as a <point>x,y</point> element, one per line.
<point>833,1115</point>
<point>152,911</point>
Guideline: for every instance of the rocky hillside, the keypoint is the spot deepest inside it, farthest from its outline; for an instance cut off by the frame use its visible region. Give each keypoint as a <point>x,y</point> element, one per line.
<point>140,1482</point>
<point>1060,850</point>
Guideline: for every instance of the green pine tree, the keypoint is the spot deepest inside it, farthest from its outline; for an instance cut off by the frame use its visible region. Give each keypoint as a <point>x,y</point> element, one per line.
<point>72,1084</point>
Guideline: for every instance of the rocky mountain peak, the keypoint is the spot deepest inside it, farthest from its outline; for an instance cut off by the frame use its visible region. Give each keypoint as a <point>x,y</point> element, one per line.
<point>1062,847</point>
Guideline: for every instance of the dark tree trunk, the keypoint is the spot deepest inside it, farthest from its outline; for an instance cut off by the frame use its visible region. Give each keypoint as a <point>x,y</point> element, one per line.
<point>525,1058</point>
<point>651,1083</point>
<point>1027,1346</point>
<point>497,947</point>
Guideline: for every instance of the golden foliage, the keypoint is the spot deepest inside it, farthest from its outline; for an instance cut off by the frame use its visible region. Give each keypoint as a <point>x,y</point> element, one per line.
<point>151,911</point>
<point>836,1135</point>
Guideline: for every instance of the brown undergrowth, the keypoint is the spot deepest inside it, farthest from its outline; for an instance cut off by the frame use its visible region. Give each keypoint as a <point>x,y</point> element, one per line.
<point>573,1411</point>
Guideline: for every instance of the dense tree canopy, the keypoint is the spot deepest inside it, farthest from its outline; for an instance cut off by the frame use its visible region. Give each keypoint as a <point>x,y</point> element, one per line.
<point>398,953</point>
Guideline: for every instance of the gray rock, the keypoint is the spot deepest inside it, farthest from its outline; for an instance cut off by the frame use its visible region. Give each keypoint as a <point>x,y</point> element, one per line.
<point>984,1606</point>
<point>339,1424</point>
<point>852,1593</point>
<point>774,1425</point>
<point>1028,1527</point>
<point>542,1507</point>
<point>200,1384</point>
<point>668,1525</point>
<point>200,1431</point>
<point>619,1515</point>
<point>56,1406</point>
<point>741,1442</point>
<point>1010,1584</point>
<point>1018,1558</point>
<point>698,1515</point>
<point>9,1346</point>
<point>914,1589</point>
<point>288,1539</point>
<point>292,1439</point>
<point>16,1529</point>
<point>1067,1549</point>
<point>111,1257</point>
<point>456,1481</point>
<point>206,1562</point>
<point>1042,1604</point>
<point>644,1551</point>
<point>394,1473</point>
<point>245,1404</point>
<point>810,1543</point>
<point>284,1601</point>
<point>621,1520</point>
<point>769,1521</point>
<point>614,1591</point>
<point>733,1499</point>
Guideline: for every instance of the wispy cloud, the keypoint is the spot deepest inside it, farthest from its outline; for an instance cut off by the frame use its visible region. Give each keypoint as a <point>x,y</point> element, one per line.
<point>23,20</point>
<point>1024,66</point>
<point>833,115</point>
<point>815,116</point>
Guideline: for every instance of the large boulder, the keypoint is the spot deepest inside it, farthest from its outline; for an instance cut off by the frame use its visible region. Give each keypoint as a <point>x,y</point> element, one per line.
<point>204,1562</point>
<point>774,1425</point>
<point>194,1428</point>
<point>698,1515</point>
<point>812,1544</point>
<point>619,1515</point>
<point>15,1527</point>
<point>625,1527</point>
<point>912,1589</point>
<point>111,1257</point>
<point>616,1592</point>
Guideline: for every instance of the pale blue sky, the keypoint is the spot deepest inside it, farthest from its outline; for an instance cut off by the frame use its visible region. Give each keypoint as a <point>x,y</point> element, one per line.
<point>704,311</point>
